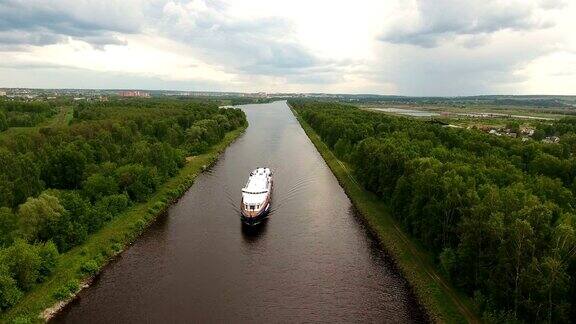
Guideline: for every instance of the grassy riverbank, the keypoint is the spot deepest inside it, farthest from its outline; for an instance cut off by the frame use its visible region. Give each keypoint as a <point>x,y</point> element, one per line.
<point>84,261</point>
<point>441,301</point>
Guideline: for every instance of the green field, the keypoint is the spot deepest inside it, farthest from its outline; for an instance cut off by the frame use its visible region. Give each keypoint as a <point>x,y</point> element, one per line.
<point>441,301</point>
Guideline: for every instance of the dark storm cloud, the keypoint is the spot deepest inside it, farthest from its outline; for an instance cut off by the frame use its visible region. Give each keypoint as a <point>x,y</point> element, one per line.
<point>445,19</point>
<point>37,22</point>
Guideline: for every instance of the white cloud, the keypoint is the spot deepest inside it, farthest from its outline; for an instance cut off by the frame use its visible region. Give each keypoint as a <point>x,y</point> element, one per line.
<point>443,47</point>
<point>44,22</point>
<point>428,23</point>
<point>554,73</point>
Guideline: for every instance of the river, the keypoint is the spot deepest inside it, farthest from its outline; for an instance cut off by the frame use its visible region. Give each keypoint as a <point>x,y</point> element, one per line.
<point>312,261</point>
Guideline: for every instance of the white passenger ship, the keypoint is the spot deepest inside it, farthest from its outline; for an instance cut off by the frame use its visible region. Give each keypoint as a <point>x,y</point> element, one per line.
<point>257,196</point>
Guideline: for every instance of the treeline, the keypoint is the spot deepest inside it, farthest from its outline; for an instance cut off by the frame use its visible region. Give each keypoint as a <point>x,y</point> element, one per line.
<point>15,113</point>
<point>497,212</point>
<point>247,100</point>
<point>531,102</point>
<point>59,185</point>
<point>565,128</point>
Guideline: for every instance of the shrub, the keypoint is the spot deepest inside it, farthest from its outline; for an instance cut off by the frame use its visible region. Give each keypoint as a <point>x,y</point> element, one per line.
<point>24,319</point>
<point>89,268</point>
<point>9,291</point>
<point>67,290</point>
<point>23,263</point>
<point>49,257</point>
<point>98,186</point>
<point>117,247</point>
<point>138,225</point>
<point>137,180</point>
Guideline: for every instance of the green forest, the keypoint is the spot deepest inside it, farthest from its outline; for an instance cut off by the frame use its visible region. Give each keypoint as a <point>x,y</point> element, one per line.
<point>59,184</point>
<point>24,114</point>
<point>497,213</point>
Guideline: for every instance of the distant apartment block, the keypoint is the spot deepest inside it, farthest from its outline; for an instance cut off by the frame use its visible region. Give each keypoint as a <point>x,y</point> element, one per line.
<point>2,93</point>
<point>134,93</point>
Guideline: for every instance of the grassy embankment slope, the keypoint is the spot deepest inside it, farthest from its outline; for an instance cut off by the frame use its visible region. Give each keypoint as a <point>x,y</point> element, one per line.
<point>114,237</point>
<point>441,301</point>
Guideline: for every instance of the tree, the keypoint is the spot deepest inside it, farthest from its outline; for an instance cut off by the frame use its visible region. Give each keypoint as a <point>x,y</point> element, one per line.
<point>48,254</point>
<point>539,134</point>
<point>514,126</point>
<point>3,122</point>
<point>8,226</point>
<point>9,291</point>
<point>72,226</point>
<point>6,191</point>
<point>554,285</point>
<point>343,149</point>
<point>98,186</point>
<point>23,263</point>
<point>37,217</point>
<point>138,181</point>
<point>496,212</point>
<point>194,139</point>
<point>448,261</point>
<point>60,184</point>
<point>548,165</point>
<point>64,167</point>
<point>521,242</point>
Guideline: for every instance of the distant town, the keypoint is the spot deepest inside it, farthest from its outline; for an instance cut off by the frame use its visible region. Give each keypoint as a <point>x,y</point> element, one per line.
<point>103,94</point>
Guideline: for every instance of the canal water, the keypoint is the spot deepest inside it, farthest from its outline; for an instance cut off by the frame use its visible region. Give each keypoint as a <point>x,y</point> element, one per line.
<point>312,261</point>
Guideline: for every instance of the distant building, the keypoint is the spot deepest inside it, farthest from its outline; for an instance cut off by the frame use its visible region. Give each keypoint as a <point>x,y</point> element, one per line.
<point>134,93</point>
<point>494,132</point>
<point>2,93</point>
<point>527,131</point>
<point>551,139</point>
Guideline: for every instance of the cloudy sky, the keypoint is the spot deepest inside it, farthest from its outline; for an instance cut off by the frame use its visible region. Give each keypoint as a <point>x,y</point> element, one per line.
<point>418,47</point>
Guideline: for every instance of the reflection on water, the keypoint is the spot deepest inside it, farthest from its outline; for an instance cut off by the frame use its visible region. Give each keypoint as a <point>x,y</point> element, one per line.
<point>311,261</point>
<point>252,234</point>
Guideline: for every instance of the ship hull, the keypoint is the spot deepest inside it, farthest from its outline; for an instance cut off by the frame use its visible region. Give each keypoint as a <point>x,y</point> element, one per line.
<point>256,218</point>
<point>256,209</point>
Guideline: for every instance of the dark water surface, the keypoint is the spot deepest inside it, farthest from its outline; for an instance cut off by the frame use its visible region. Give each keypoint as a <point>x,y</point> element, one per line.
<point>312,261</point>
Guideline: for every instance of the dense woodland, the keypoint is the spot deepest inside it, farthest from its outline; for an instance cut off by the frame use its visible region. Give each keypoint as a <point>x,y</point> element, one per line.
<point>497,213</point>
<point>60,184</point>
<point>24,114</point>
